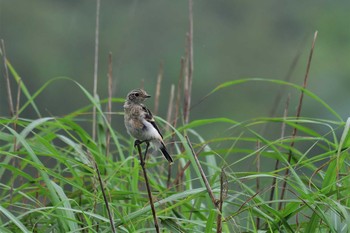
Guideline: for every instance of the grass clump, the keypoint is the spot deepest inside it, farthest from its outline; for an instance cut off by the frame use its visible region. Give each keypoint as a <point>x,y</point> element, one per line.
<point>58,177</point>
<point>49,181</point>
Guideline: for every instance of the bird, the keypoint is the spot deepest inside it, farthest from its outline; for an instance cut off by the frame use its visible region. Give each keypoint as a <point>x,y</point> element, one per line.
<point>140,124</point>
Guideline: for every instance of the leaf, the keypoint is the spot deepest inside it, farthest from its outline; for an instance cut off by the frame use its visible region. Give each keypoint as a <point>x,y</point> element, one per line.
<point>14,219</point>
<point>210,226</point>
<point>68,213</point>
<point>280,82</point>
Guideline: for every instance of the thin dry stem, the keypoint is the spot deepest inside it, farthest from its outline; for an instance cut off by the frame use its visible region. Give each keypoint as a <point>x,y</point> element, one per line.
<point>283,129</point>
<point>185,87</point>
<point>7,79</point>
<point>190,38</point>
<point>10,104</point>
<point>167,128</point>
<point>170,105</point>
<point>182,170</point>
<point>109,105</point>
<point>258,166</point>
<point>15,146</point>
<point>110,216</point>
<point>159,82</point>
<point>177,109</point>
<point>223,190</point>
<point>294,133</point>
<point>180,174</point>
<point>154,213</point>
<point>18,100</point>
<point>204,178</point>
<point>189,65</point>
<point>281,91</point>
<point>178,93</point>
<point>97,28</point>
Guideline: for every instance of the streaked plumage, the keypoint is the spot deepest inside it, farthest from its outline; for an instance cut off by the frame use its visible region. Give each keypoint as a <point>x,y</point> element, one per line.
<point>140,123</point>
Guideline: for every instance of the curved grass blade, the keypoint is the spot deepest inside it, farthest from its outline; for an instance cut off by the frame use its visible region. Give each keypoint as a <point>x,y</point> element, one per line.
<point>280,82</point>
<point>14,219</point>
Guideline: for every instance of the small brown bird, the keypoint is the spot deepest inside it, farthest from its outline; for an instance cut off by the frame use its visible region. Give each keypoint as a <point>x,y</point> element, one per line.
<point>140,123</point>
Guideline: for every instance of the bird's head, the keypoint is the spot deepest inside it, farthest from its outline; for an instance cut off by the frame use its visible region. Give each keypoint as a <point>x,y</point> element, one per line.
<point>137,96</point>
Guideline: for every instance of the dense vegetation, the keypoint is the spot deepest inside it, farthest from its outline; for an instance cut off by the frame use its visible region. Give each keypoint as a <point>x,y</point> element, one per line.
<point>50,170</point>
<point>80,173</point>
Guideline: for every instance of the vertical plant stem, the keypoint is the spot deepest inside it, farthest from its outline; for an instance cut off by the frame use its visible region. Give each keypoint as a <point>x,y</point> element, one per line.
<point>10,105</point>
<point>204,178</point>
<point>110,216</point>
<point>274,183</point>
<point>170,106</point>
<point>189,70</point>
<point>18,100</point>
<point>221,202</point>
<point>180,173</point>
<point>258,165</point>
<point>178,179</point>
<point>7,79</point>
<point>159,82</point>
<point>109,106</point>
<point>281,91</point>
<point>169,118</point>
<point>154,213</point>
<point>294,133</point>
<point>97,28</point>
<point>178,93</point>
<point>15,148</point>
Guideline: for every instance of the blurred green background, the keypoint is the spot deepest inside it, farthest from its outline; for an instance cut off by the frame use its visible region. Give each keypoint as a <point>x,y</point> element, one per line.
<point>232,40</point>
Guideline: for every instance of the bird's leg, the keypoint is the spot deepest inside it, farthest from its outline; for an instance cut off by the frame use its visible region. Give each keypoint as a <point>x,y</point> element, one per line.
<point>138,142</point>
<point>146,151</point>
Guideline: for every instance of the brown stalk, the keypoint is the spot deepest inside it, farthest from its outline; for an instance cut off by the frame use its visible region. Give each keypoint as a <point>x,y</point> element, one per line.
<point>178,93</point>
<point>170,106</point>
<point>15,146</point>
<point>189,70</point>
<point>110,216</point>
<point>7,79</point>
<point>169,115</point>
<point>142,162</point>
<point>18,98</point>
<point>287,78</point>
<point>223,190</point>
<point>185,84</point>
<point>204,178</point>
<point>109,104</point>
<point>180,174</point>
<point>159,82</point>
<point>182,170</point>
<point>258,146</point>
<point>177,109</point>
<point>295,130</point>
<point>10,104</point>
<point>97,28</point>
<point>285,114</point>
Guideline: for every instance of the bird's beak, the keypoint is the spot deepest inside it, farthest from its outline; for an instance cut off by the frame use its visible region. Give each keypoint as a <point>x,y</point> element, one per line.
<point>147,96</point>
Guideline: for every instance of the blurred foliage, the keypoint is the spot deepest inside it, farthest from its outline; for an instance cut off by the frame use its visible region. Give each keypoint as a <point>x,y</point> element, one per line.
<point>232,40</point>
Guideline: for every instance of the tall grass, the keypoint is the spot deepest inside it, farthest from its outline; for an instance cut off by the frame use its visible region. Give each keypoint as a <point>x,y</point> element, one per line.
<point>49,182</point>
<point>58,177</point>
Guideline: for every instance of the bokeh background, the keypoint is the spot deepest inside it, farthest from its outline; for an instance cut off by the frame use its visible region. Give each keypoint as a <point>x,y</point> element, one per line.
<point>233,39</point>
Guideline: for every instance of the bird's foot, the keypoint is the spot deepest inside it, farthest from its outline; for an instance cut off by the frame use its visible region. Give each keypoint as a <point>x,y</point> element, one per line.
<point>137,142</point>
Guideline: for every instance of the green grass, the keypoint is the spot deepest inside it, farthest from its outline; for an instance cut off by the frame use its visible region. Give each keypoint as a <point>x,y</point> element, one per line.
<point>49,183</point>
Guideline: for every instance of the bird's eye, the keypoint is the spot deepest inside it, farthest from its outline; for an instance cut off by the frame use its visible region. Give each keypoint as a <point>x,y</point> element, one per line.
<point>137,94</point>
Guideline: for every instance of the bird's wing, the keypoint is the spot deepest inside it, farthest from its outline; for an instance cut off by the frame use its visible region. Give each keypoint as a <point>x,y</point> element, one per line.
<point>150,119</point>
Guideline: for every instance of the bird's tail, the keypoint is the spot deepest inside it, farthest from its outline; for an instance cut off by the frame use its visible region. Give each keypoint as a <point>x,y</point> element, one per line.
<point>165,153</point>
